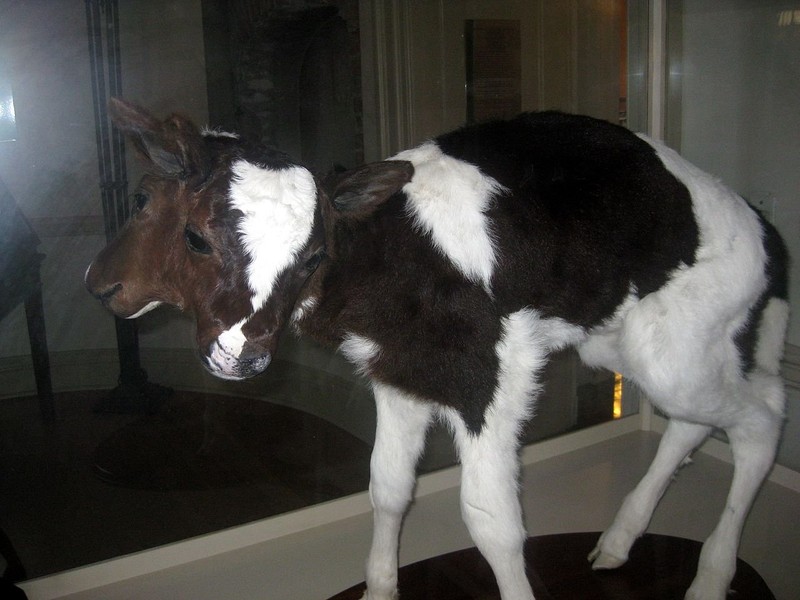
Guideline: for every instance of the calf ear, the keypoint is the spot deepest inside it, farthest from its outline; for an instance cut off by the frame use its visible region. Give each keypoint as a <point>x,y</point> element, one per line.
<point>365,188</point>
<point>174,146</point>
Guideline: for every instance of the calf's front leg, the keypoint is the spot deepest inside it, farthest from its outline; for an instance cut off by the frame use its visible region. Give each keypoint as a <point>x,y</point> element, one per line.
<point>490,465</point>
<point>399,440</point>
<point>491,509</point>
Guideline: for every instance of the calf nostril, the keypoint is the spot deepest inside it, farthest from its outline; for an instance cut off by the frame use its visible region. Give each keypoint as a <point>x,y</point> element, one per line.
<point>106,295</point>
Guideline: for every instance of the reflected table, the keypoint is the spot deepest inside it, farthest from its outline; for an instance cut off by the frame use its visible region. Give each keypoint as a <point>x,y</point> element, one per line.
<point>660,567</point>
<point>20,281</point>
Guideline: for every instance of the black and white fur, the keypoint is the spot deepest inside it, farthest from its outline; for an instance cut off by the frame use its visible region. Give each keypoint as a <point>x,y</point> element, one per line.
<point>450,273</point>
<point>516,239</point>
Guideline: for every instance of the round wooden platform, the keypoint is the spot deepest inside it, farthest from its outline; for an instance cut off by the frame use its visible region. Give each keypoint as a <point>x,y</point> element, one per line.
<point>660,568</point>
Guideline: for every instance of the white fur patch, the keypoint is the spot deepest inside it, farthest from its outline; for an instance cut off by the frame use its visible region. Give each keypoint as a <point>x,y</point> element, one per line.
<point>278,209</point>
<point>601,347</point>
<point>304,308</point>
<point>731,256</point>
<point>678,343</point>
<point>360,351</point>
<point>771,333</point>
<point>522,351</point>
<point>555,333</point>
<point>224,358</point>
<point>209,132</point>
<point>225,351</point>
<point>448,199</point>
<point>232,340</point>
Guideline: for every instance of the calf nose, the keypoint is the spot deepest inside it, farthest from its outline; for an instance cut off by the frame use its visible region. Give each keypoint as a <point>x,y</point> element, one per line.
<point>93,280</point>
<point>105,295</point>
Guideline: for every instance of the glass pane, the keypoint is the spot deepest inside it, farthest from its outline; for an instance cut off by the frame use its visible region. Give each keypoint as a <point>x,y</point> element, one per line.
<point>113,438</point>
<point>734,84</point>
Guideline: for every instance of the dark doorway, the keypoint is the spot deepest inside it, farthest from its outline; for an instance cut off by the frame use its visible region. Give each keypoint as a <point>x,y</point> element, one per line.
<point>287,74</point>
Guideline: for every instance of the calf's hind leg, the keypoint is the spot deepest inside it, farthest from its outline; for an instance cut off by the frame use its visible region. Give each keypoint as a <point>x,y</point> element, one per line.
<point>753,443</point>
<point>399,440</point>
<point>678,441</point>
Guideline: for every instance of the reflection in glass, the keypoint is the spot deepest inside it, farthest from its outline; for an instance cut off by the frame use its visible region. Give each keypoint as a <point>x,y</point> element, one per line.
<point>94,484</point>
<point>8,118</point>
<point>733,89</point>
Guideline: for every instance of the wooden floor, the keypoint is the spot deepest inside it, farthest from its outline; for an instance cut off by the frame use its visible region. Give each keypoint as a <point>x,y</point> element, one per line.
<point>660,568</point>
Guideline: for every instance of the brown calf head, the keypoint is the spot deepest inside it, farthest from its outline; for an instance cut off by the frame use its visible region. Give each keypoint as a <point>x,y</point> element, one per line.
<point>220,229</point>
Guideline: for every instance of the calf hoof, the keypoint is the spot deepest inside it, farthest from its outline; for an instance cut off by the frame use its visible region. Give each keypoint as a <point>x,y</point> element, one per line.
<point>712,587</point>
<point>368,595</point>
<point>603,560</point>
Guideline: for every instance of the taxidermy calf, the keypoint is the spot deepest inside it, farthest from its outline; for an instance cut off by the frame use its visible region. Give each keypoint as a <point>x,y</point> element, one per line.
<point>449,273</point>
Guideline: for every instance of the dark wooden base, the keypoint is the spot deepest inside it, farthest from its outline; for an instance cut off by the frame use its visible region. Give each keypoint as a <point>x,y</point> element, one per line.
<point>660,568</point>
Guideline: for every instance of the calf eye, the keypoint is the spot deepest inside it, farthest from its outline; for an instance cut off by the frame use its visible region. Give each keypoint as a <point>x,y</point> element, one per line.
<point>139,200</point>
<point>313,262</point>
<point>195,242</point>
